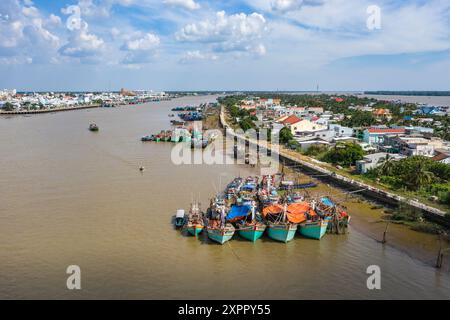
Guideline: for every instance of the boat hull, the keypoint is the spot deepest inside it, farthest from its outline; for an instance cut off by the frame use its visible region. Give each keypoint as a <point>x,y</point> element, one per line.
<point>220,235</point>
<point>252,233</point>
<point>195,230</point>
<point>281,232</point>
<point>313,230</point>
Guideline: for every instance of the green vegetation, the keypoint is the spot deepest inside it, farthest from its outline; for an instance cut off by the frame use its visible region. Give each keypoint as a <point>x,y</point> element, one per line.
<point>316,151</point>
<point>8,107</point>
<point>359,119</point>
<point>344,154</point>
<point>286,135</point>
<point>243,118</point>
<point>415,220</point>
<point>418,174</point>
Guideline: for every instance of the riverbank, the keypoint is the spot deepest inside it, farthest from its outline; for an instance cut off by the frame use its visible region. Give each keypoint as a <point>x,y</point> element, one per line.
<point>6,113</point>
<point>419,245</point>
<point>341,177</point>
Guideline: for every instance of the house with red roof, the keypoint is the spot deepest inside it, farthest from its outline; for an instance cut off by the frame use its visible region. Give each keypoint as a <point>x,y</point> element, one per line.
<point>382,114</point>
<point>300,126</point>
<point>378,135</point>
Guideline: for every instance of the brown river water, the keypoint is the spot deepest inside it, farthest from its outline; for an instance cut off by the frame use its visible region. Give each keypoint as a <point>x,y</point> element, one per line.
<point>72,197</point>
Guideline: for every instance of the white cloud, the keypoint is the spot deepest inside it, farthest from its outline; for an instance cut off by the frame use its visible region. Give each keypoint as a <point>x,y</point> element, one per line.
<point>196,55</point>
<point>187,4</point>
<point>141,50</point>
<point>83,45</point>
<point>286,5</point>
<point>23,35</point>
<point>238,32</point>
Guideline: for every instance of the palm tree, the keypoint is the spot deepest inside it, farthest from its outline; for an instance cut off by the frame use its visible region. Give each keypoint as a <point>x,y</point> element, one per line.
<point>387,166</point>
<point>418,177</point>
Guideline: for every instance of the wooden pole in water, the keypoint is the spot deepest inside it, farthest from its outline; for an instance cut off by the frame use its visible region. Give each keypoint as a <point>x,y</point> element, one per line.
<point>440,256</point>
<point>385,232</point>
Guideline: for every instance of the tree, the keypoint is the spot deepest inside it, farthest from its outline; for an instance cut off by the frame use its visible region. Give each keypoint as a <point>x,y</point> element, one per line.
<point>246,124</point>
<point>344,154</point>
<point>418,177</point>
<point>8,106</point>
<point>388,165</point>
<point>286,135</point>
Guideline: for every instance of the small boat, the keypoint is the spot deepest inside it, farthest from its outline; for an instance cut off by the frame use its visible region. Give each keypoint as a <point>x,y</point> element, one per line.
<point>93,127</point>
<point>148,138</point>
<point>179,218</point>
<point>194,222</point>
<point>218,229</point>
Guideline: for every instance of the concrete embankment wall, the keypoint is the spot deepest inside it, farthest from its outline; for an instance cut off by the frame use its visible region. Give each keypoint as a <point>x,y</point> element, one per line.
<point>352,185</point>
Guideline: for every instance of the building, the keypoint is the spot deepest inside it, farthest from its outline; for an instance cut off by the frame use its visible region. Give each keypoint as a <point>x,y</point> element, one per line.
<point>382,114</point>
<point>377,135</point>
<point>442,157</point>
<point>415,146</point>
<point>374,160</point>
<point>341,131</point>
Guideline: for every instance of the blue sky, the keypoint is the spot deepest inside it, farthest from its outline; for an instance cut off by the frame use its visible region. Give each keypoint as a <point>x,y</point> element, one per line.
<point>224,45</point>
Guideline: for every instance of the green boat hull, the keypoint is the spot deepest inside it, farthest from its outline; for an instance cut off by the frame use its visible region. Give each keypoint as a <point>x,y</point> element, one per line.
<point>194,230</point>
<point>252,233</point>
<point>220,235</point>
<point>313,230</point>
<point>281,232</point>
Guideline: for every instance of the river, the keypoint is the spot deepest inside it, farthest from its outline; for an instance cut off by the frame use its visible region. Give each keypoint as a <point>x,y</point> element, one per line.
<point>72,197</point>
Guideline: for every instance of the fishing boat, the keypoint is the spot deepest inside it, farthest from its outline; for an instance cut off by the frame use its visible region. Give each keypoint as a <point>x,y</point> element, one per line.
<point>336,215</point>
<point>179,218</point>
<point>93,127</point>
<point>315,226</point>
<point>281,225</point>
<point>250,227</point>
<point>294,197</point>
<point>233,188</point>
<point>268,194</point>
<point>194,222</point>
<point>218,229</point>
<point>314,229</point>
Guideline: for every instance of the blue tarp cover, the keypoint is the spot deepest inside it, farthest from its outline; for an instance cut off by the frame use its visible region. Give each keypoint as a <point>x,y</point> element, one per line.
<point>238,211</point>
<point>249,187</point>
<point>327,202</point>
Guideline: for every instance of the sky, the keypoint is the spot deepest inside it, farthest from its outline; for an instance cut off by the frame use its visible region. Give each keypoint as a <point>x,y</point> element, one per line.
<point>295,45</point>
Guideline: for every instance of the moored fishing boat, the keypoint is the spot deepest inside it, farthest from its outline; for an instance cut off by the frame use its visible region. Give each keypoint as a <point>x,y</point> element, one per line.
<point>180,218</point>
<point>280,226</point>
<point>314,229</point>
<point>251,227</point>
<point>195,224</point>
<point>233,188</point>
<point>314,225</point>
<point>337,217</point>
<point>218,229</point>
